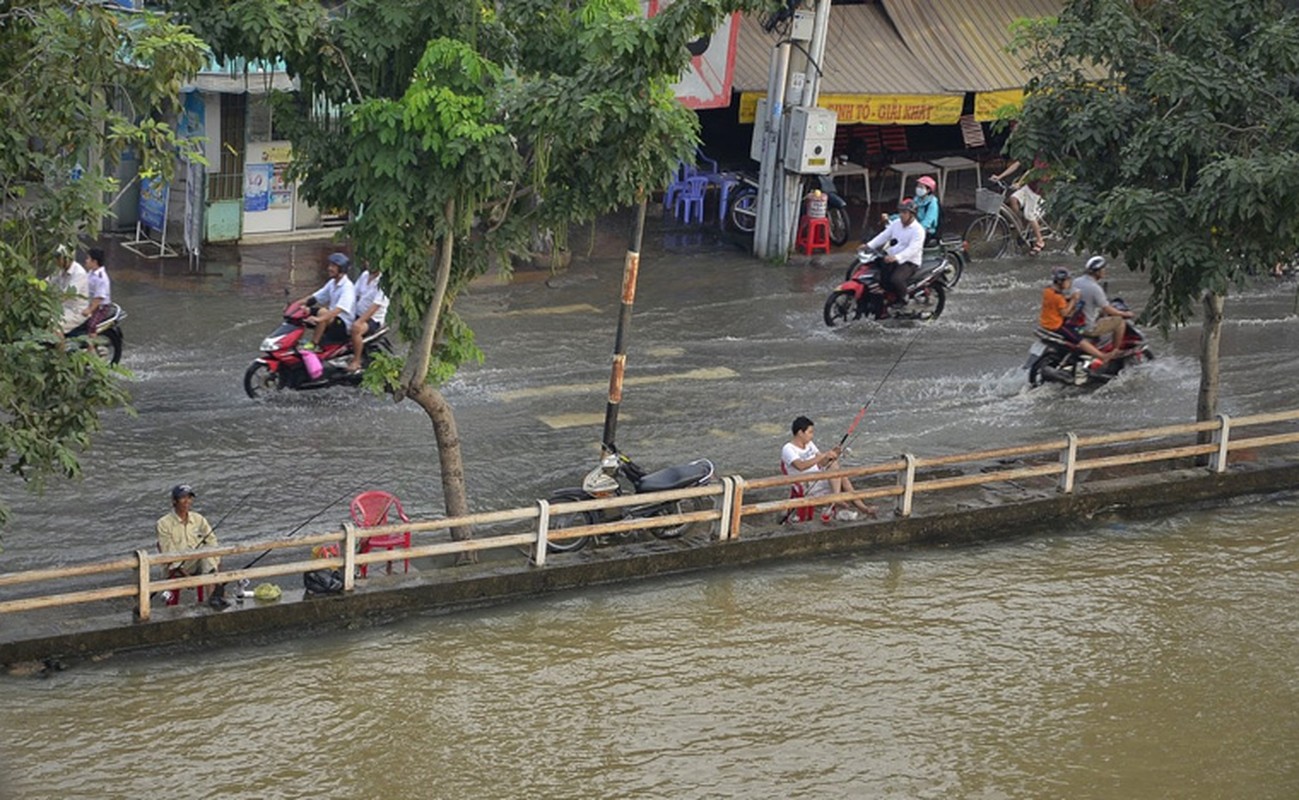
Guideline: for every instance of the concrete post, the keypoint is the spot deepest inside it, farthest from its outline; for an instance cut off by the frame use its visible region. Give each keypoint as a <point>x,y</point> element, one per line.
<point>543,533</point>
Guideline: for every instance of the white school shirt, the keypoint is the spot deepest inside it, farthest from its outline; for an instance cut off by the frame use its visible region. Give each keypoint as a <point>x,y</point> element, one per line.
<point>100,285</point>
<point>339,294</point>
<point>368,293</point>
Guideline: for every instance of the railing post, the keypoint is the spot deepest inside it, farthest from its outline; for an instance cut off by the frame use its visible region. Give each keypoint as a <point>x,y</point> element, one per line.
<point>142,576</point>
<point>907,480</point>
<point>1218,462</point>
<point>1068,457</point>
<point>737,506</point>
<point>728,501</point>
<point>349,556</point>
<point>543,533</point>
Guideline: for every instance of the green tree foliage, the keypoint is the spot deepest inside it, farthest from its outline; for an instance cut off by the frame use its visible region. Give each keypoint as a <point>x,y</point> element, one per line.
<point>1170,127</point>
<point>78,84</point>
<point>457,129</point>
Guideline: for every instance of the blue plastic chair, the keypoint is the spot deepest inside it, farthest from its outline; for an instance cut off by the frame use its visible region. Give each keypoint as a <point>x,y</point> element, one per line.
<point>689,205</point>
<point>677,184</point>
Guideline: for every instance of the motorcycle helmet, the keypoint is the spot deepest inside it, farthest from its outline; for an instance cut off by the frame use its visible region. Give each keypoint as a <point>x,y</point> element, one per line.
<point>928,183</point>
<point>1095,264</point>
<point>907,205</point>
<point>1059,275</point>
<point>341,261</point>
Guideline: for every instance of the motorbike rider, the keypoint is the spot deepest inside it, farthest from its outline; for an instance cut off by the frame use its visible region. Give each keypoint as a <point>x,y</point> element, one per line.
<point>1059,304</point>
<point>1101,318</point>
<point>337,302</point>
<point>906,243</point>
<point>72,284</point>
<point>927,210</point>
<point>371,310</point>
<point>100,286</point>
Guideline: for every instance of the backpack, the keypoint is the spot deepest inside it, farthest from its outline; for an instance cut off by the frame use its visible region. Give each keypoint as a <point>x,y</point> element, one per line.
<point>323,581</point>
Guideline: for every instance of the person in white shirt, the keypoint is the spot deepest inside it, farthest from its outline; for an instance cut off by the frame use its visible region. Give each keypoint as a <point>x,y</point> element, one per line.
<point>371,311</point>
<point>336,301</point>
<point>905,241</point>
<point>801,456</point>
<point>100,286</point>
<point>71,283</point>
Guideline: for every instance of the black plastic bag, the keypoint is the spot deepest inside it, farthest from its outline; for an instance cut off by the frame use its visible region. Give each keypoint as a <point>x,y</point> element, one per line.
<point>323,581</point>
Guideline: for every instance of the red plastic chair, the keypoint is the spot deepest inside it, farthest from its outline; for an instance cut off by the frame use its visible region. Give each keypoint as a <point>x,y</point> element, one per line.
<point>370,510</point>
<point>797,490</point>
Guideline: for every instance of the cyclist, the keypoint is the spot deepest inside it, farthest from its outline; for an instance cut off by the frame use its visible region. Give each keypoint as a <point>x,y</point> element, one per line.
<point>1026,199</point>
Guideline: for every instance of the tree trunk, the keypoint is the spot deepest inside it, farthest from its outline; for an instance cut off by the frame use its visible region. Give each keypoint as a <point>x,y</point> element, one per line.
<point>1206,407</point>
<point>449,457</point>
<point>439,411</point>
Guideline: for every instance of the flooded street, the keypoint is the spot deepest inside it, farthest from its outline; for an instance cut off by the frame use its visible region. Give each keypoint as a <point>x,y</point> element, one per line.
<point>1139,659</point>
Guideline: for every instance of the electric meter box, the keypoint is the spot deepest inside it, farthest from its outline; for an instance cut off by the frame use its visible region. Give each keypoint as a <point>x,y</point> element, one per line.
<point>810,148</point>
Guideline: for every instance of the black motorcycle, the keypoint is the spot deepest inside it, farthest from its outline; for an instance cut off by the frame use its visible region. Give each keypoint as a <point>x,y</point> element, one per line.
<point>1054,358</point>
<point>618,475</point>
<point>743,212</point>
<point>103,334</point>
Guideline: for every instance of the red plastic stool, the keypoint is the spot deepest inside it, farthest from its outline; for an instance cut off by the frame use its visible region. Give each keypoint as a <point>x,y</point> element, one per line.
<point>813,235</point>
<point>175,594</point>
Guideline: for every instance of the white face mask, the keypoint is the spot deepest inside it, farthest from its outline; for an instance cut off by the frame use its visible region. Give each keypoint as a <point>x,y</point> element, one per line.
<point>921,191</point>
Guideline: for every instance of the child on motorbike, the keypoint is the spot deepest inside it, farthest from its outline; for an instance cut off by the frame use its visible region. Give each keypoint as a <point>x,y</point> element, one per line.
<point>1059,304</point>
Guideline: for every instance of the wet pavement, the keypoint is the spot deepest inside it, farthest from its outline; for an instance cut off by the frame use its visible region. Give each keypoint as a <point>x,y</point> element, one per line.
<point>724,352</point>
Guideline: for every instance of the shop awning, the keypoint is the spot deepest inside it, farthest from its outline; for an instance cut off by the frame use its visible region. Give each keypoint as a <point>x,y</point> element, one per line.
<point>964,45</point>
<point>869,75</point>
<point>906,62</point>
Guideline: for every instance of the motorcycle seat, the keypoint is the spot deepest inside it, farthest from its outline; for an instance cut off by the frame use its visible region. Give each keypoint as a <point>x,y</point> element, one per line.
<point>1050,336</point>
<point>676,477</point>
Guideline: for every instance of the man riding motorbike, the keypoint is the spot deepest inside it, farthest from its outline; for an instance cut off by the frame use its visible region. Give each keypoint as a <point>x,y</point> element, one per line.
<point>1102,318</point>
<point>905,238</point>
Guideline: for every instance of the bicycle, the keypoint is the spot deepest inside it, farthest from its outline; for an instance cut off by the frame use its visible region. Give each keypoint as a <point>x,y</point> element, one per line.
<point>998,228</point>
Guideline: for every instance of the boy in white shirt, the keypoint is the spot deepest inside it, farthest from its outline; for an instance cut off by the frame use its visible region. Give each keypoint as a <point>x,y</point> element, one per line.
<point>802,456</point>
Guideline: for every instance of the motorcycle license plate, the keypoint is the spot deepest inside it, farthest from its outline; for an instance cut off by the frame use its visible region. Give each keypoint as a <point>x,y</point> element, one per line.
<point>1037,349</point>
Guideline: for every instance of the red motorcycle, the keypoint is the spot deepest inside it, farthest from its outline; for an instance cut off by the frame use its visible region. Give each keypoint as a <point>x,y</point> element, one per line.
<point>1054,358</point>
<point>863,294</point>
<point>284,364</point>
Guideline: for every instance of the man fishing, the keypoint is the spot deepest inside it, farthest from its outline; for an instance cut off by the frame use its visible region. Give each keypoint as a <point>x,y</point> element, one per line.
<point>184,530</point>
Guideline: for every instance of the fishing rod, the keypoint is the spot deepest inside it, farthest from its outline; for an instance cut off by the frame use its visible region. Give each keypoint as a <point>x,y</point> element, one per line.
<point>844,440</point>
<point>309,519</point>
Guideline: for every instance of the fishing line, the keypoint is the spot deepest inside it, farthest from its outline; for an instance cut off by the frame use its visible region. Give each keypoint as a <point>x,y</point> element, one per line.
<point>844,441</point>
<point>350,492</point>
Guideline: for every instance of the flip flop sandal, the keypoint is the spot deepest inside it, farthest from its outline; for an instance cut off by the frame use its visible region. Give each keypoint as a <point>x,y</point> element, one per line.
<point>1035,249</point>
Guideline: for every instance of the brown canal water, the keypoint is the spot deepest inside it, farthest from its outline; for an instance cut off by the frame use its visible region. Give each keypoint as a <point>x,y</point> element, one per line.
<point>1138,659</point>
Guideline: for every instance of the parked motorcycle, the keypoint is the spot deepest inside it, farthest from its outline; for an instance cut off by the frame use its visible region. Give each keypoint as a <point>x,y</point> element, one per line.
<point>618,475</point>
<point>743,212</point>
<point>285,365</point>
<point>863,295</point>
<point>106,338</point>
<point>1054,358</point>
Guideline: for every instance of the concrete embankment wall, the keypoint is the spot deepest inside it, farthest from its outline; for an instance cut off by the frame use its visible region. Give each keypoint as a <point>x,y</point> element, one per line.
<point>448,589</point>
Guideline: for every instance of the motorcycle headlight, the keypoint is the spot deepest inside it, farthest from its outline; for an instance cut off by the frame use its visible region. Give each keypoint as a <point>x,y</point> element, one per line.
<point>271,343</point>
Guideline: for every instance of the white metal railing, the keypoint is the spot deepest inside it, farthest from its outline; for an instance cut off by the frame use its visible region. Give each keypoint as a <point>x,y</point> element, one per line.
<point>728,510</point>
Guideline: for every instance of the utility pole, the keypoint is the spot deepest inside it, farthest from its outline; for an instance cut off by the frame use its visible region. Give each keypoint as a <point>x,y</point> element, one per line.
<point>630,272</point>
<point>778,189</point>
